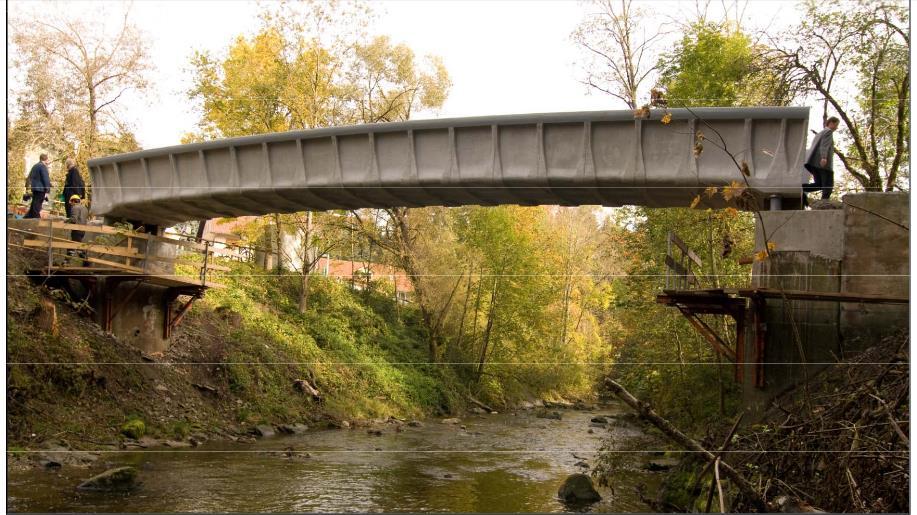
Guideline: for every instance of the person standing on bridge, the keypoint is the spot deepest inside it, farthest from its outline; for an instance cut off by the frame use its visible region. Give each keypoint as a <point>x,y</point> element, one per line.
<point>73,185</point>
<point>820,162</point>
<point>40,184</point>
<point>79,214</point>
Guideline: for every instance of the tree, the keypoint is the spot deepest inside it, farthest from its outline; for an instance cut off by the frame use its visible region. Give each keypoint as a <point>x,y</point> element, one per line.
<point>867,45</point>
<point>716,64</point>
<point>620,51</point>
<point>387,84</point>
<point>75,72</point>
<point>290,76</point>
<point>293,75</point>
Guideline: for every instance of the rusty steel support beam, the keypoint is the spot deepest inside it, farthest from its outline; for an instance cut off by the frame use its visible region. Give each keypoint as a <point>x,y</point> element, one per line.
<point>718,344</point>
<point>170,322</point>
<point>758,303</point>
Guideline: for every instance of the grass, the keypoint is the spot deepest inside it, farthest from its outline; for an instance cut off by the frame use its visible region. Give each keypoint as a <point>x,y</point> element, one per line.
<point>364,353</point>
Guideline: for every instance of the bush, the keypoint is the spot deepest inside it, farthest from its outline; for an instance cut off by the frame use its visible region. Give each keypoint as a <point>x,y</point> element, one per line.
<point>133,428</point>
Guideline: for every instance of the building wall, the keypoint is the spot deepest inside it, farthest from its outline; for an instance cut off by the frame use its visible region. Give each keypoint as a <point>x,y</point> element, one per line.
<point>292,252</point>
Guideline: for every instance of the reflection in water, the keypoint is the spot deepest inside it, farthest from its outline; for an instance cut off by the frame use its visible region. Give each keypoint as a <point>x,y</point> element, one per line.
<point>500,463</point>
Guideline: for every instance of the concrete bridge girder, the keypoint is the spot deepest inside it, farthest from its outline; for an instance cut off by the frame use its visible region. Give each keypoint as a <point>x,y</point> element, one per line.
<point>606,158</point>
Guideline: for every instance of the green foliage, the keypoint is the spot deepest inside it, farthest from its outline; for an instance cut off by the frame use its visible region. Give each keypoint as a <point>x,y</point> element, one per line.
<point>524,300</point>
<point>718,65</point>
<point>180,429</point>
<point>287,76</point>
<point>133,428</point>
<point>660,357</point>
<point>359,349</point>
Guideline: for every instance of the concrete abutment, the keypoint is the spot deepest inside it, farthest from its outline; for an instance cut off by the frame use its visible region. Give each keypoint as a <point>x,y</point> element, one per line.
<point>861,249</point>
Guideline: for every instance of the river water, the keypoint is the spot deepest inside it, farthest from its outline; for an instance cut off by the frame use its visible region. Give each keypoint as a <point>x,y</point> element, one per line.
<point>499,463</point>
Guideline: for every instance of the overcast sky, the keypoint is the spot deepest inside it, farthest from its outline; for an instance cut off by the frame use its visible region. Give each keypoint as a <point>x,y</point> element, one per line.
<point>503,57</point>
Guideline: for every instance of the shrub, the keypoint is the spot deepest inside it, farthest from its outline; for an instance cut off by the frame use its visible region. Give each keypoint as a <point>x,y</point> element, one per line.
<point>133,428</point>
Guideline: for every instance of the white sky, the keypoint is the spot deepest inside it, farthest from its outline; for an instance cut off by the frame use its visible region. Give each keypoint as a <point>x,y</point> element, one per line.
<point>503,57</point>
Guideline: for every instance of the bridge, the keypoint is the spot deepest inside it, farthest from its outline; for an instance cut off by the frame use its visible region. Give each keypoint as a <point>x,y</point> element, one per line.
<point>608,158</point>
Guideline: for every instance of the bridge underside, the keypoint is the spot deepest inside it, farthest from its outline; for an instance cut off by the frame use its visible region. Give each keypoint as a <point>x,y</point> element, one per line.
<point>594,158</point>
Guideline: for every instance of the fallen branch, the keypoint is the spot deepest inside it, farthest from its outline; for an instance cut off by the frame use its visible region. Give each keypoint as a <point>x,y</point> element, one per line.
<point>688,443</point>
<point>481,405</point>
<point>719,487</point>
<point>891,418</point>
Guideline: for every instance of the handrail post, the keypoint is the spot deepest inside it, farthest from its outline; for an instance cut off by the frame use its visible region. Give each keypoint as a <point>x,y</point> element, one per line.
<point>204,268</point>
<point>50,244</point>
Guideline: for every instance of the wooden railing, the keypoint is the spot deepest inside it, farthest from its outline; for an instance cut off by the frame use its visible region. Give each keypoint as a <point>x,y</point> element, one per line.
<point>117,251</point>
<point>680,264</point>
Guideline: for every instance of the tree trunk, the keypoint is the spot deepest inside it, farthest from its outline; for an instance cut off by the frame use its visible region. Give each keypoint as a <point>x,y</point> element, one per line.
<point>490,324</point>
<point>461,333</point>
<point>278,242</point>
<point>304,295</point>
<point>307,261</point>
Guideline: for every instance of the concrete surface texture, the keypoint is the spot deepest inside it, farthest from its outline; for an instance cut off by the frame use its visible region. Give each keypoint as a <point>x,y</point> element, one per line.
<point>862,249</point>
<point>605,158</point>
<point>140,317</point>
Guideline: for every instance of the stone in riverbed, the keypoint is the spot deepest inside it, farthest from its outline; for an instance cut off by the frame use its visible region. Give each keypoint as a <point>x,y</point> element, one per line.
<point>554,415</point>
<point>293,429</point>
<point>264,431</point>
<point>450,421</point>
<point>415,423</point>
<point>113,480</point>
<point>599,420</point>
<point>578,489</point>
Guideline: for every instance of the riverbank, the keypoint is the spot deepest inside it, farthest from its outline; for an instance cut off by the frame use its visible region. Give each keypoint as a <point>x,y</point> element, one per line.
<point>243,357</point>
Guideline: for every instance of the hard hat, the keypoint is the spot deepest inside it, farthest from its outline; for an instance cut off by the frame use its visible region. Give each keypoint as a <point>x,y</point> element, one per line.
<point>72,197</point>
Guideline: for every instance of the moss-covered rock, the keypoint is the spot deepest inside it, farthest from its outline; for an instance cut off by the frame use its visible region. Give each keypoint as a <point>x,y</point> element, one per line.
<point>134,428</point>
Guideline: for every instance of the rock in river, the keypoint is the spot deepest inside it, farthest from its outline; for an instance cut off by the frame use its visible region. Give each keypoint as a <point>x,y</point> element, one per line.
<point>264,431</point>
<point>112,480</point>
<point>293,429</point>
<point>578,489</point>
<point>450,421</point>
<point>549,414</point>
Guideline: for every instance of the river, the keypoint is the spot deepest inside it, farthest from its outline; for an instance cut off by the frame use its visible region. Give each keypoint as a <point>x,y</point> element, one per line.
<point>498,463</point>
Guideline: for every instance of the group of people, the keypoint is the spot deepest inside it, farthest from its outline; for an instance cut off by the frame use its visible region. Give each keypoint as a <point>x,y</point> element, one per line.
<point>39,182</point>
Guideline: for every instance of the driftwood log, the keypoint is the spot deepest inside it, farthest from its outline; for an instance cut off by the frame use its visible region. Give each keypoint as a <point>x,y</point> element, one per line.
<point>481,404</point>
<point>647,413</point>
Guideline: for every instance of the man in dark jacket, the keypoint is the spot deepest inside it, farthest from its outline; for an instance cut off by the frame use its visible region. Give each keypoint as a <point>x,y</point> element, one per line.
<point>73,185</point>
<point>40,183</point>
<point>820,162</point>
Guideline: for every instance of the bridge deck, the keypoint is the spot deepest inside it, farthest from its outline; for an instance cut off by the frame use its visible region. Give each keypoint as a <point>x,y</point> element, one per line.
<point>605,158</point>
